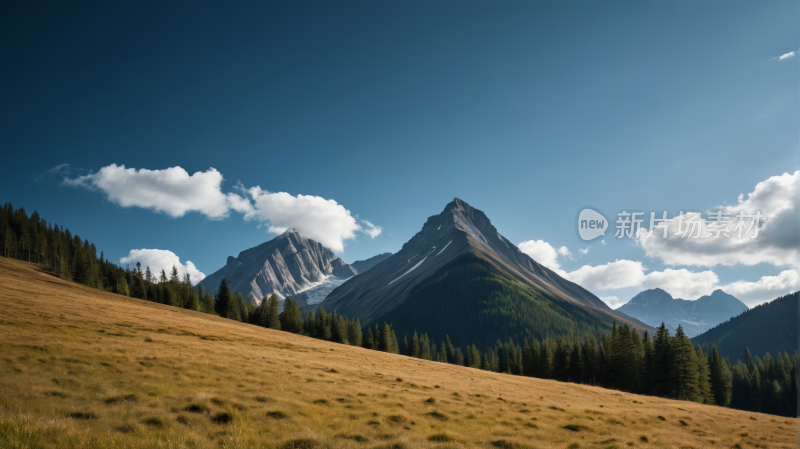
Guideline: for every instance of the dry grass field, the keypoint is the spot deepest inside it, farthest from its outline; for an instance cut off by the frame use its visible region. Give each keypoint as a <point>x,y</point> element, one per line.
<point>81,368</point>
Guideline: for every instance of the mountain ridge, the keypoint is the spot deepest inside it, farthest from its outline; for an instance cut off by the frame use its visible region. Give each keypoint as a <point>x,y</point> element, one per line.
<point>655,306</point>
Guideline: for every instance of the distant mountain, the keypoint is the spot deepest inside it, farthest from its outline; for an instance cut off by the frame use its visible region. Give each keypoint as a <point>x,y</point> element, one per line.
<point>770,327</point>
<point>459,277</point>
<point>364,265</point>
<point>289,265</point>
<point>656,306</point>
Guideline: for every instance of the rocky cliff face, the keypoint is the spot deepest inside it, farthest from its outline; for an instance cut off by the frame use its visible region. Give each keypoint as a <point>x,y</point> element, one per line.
<point>289,266</point>
<point>656,306</point>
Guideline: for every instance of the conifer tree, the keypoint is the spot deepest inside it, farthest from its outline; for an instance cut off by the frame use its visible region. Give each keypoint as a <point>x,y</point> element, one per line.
<point>273,317</point>
<point>686,383</point>
<point>663,366</point>
<point>705,395</point>
<point>223,299</point>
<point>354,334</point>
<point>291,319</point>
<point>414,350</point>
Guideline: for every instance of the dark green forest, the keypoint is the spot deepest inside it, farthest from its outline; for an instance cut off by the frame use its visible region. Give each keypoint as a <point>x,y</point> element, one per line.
<point>769,327</point>
<point>551,344</point>
<point>475,303</point>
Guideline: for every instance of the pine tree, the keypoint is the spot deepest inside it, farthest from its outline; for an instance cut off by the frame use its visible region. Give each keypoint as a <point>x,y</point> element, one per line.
<point>443,352</point>
<point>223,298</point>
<point>686,383</point>
<point>354,334</point>
<point>414,349</point>
<point>704,393</point>
<point>663,365</point>
<point>291,319</point>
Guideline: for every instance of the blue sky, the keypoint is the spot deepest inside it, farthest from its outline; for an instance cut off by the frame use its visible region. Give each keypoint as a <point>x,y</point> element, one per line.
<point>526,110</point>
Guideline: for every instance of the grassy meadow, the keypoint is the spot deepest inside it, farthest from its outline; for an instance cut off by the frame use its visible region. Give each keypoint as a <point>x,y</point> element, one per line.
<point>80,368</point>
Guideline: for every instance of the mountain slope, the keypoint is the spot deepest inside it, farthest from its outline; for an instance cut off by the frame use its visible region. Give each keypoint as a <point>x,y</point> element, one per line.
<point>436,250</point>
<point>656,306</point>
<point>288,265</point>
<point>364,265</point>
<point>770,327</point>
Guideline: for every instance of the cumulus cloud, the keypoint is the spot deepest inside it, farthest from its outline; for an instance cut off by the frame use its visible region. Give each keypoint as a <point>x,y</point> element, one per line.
<point>613,275</point>
<point>766,288</point>
<point>314,217</point>
<point>584,251</point>
<point>777,243</point>
<point>172,190</point>
<point>544,253</point>
<point>611,301</point>
<point>370,229</point>
<point>681,283</point>
<point>161,259</point>
<point>624,273</point>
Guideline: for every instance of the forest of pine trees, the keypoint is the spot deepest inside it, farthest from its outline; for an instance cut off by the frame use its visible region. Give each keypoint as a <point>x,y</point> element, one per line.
<point>666,366</point>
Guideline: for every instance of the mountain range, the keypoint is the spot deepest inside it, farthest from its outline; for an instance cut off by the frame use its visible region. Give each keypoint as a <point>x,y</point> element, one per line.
<point>459,277</point>
<point>656,306</point>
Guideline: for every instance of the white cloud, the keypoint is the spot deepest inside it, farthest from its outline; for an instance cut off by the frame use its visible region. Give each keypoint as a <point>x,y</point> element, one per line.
<point>544,253</point>
<point>611,301</point>
<point>161,259</point>
<point>627,273</point>
<point>325,221</point>
<point>777,242</point>
<point>584,251</point>
<point>175,192</point>
<point>371,229</point>
<point>613,275</point>
<point>765,289</point>
<point>681,283</point>
<point>172,190</point>
<point>786,55</point>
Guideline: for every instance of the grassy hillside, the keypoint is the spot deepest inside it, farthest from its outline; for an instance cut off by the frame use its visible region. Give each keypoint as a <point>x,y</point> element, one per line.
<point>475,303</point>
<point>81,368</point>
<point>770,327</point>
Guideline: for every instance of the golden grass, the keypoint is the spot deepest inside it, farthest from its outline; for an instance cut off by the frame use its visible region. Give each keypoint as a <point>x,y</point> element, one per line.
<point>82,368</point>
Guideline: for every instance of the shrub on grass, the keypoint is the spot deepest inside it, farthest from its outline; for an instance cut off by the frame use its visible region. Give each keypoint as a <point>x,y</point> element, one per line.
<point>223,418</point>
<point>82,415</point>
<point>300,443</point>
<point>155,421</point>
<point>574,427</point>
<point>440,438</point>
<point>197,407</point>
<point>277,414</point>
<point>400,419</point>
<point>321,402</point>
<point>430,401</point>
<point>130,397</point>
<point>437,415</point>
